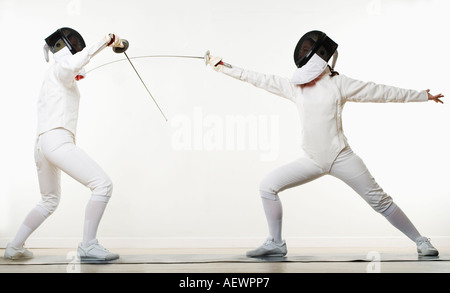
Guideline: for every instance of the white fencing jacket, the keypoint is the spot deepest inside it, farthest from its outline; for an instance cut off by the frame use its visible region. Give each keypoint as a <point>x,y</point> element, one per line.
<point>320,106</point>
<point>59,98</point>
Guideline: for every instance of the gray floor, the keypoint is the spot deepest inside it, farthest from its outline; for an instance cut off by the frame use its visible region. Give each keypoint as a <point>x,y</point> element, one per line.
<point>226,260</point>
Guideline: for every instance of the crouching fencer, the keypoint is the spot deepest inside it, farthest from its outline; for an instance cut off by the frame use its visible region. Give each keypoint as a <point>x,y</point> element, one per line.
<point>320,93</point>
<point>55,147</point>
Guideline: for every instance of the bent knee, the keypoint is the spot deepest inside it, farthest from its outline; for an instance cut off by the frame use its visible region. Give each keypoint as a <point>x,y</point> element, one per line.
<point>103,189</point>
<point>266,190</point>
<point>49,202</point>
<point>381,204</point>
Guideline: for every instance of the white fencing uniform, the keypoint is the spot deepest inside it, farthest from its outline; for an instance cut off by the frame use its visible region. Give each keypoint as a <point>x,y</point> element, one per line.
<point>55,148</point>
<point>320,106</point>
<point>59,98</point>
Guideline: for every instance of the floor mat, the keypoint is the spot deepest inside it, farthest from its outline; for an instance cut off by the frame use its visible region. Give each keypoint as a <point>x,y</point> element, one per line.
<point>223,258</point>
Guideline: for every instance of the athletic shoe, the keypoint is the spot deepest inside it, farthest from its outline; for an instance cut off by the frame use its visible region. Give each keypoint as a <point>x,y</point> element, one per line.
<point>94,251</point>
<point>12,252</point>
<point>269,248</point>
<point>425,248</point>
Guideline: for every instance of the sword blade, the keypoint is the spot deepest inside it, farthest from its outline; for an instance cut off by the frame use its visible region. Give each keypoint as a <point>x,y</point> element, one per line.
<point>156,103</point>
<point>148,56</point>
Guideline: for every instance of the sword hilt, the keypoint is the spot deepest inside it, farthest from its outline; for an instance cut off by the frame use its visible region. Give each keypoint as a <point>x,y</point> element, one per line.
<point>123,46</point>
<point>207,57</point>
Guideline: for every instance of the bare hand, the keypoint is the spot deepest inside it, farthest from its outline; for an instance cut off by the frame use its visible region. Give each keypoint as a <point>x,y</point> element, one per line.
<point>436,98</point>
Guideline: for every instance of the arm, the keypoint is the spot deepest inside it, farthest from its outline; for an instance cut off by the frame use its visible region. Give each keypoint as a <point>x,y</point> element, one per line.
<point>359,91</point>
<point>271,83</point>
<point>73,65</point>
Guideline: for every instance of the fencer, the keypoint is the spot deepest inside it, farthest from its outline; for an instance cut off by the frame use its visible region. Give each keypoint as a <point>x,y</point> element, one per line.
<point>55,148</point>
<point>320,93</point>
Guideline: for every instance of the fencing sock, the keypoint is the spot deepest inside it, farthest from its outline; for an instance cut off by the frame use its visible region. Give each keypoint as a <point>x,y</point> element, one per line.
<point>94,212</point>
<point>33,220</point>
<point>400,221</point>
<point>274,215</point>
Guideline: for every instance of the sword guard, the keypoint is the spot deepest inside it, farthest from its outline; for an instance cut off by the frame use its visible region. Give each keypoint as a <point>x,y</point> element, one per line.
<point>122,49</point>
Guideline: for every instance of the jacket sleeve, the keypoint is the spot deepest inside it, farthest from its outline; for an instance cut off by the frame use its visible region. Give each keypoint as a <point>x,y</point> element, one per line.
<point>73,65</point>
<point>271,83</point>
<point>358,91</point>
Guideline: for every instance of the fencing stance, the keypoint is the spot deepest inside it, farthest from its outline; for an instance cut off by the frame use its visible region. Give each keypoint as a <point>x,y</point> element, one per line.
<point>55,148</point>
<point>320,94</point>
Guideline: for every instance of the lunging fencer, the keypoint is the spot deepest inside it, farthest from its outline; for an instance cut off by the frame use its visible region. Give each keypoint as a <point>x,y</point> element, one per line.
<point>320,94</point>
<point>55,148</point>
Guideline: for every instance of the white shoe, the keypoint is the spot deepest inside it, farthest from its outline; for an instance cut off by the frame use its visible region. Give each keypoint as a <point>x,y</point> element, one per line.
<point>12,252</point>
<point>94,251</point>
<point>269,248</point>
<point>425,248</point>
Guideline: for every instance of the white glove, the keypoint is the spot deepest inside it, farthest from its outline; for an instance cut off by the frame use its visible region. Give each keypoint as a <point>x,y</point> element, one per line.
<point>216,63</point>
<point>113,40</point>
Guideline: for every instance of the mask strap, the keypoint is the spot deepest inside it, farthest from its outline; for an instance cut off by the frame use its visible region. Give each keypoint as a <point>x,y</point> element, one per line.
<point>46,49</point>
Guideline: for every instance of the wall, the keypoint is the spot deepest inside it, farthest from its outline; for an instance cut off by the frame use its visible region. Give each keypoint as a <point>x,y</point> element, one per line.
<point>192,181</point>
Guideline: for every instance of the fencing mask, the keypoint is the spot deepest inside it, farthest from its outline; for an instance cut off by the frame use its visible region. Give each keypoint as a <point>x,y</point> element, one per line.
<point>311,55</point>
<point>61,38</point>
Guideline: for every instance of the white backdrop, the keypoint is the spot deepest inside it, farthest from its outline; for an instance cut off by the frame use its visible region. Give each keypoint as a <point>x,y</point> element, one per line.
<point>193,181</point>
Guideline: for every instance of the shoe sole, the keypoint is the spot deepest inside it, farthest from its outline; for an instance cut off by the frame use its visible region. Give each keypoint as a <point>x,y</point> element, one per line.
<point>88,258</point>
<point>268,255</point>
<point>428,254</point>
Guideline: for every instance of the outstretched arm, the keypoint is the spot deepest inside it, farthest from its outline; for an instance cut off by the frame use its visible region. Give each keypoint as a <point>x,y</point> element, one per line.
<point>369,92</point>
<point>436,98</point>
<point>271,83</point>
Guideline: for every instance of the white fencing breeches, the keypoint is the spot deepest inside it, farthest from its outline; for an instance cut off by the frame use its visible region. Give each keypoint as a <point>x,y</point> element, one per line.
<point>55,150</point>
<point>347,167</point>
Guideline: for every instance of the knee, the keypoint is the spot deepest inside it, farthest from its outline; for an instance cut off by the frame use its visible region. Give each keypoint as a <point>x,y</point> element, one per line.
<point>103,189</point>
<point>49,202</point>
<point>266,190</point>
<point>381,203</point>
<point>109,188</point>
